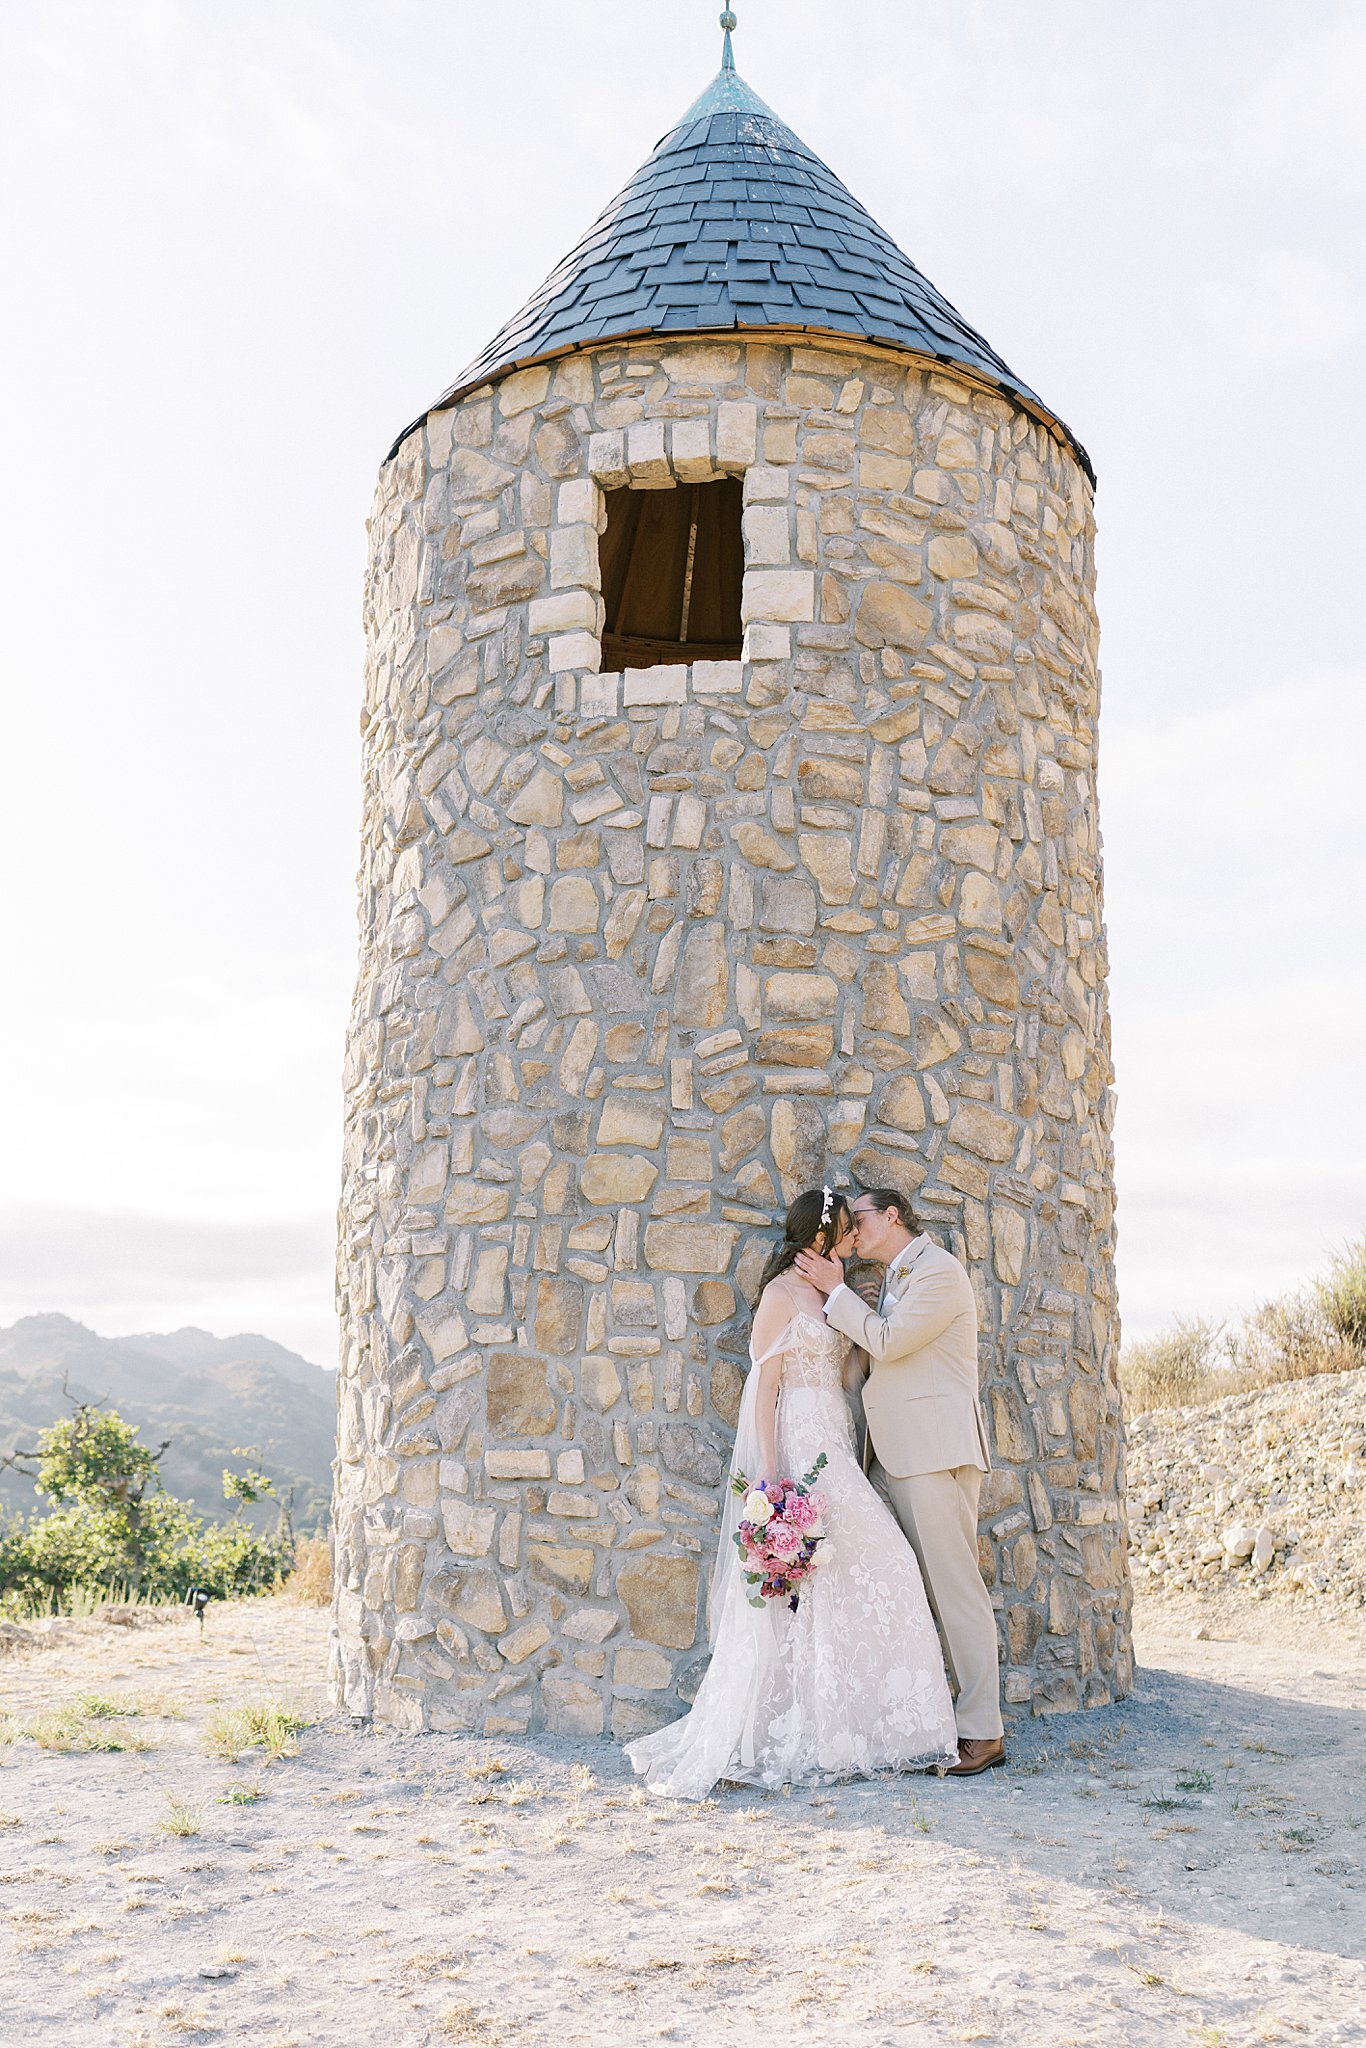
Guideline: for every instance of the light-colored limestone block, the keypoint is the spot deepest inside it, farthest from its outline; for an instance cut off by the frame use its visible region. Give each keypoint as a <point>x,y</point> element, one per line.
<point>737,433</point>
<point>691,450</point>
<point>779,595</point>
<point>646,458</point>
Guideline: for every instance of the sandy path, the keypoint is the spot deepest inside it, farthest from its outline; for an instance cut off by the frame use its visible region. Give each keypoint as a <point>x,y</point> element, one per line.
<point>1186,1867</point>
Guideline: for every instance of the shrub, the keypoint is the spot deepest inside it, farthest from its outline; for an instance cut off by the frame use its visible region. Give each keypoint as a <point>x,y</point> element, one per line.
<point>114,1526</point>
<point>1289,1339</point>
<point>90,1543</point>
<point>1342,1297</point>
<point>230,1560</point>
<point>1295,1337</point>
<point>1170,1370</point>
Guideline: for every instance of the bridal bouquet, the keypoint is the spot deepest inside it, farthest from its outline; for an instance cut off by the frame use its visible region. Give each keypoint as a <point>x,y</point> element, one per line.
<point>781,1530</point>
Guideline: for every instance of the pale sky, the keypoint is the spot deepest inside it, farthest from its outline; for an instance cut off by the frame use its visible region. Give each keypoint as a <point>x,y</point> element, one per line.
<point>245,244</point>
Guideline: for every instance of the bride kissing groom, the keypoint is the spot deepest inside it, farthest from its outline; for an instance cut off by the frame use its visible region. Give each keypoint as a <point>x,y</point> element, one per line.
<point>825,1659</point>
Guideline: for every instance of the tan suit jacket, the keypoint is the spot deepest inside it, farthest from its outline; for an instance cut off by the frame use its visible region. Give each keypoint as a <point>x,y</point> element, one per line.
<point>920,1397</point>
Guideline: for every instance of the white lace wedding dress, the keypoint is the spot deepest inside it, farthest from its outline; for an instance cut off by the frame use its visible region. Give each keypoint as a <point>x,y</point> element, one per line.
<point>852,1682</point>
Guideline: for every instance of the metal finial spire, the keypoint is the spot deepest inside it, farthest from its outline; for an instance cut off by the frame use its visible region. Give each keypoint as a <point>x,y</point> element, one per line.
<point>727,54</point>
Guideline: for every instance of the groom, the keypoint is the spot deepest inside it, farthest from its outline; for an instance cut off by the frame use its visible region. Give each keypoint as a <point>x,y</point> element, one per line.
<point>927,1431</point>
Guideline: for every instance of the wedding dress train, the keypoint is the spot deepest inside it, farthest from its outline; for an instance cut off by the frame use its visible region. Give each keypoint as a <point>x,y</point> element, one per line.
<point>852,1682</point>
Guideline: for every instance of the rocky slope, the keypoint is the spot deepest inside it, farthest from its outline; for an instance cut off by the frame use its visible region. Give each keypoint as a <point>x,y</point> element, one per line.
<point>1263,1492</point>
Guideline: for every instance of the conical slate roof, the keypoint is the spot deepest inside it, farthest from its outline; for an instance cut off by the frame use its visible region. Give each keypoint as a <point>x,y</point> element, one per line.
<point>732,224</point>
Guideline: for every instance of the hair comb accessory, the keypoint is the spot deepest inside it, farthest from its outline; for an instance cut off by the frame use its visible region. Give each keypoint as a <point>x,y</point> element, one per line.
<point>829,1194</point>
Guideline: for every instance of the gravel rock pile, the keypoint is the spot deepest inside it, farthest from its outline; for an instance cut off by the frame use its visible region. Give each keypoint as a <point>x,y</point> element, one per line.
<point>1264,1491</point>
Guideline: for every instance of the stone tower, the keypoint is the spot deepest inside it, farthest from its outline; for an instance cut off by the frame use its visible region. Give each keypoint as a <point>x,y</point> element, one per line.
<point>730,824</point>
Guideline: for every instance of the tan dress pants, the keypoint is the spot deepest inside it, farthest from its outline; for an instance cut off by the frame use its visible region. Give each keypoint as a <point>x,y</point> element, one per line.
<point>938,1513</point>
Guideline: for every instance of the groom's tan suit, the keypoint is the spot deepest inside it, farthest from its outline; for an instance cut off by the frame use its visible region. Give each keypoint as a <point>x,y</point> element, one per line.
<point>929,1441</point>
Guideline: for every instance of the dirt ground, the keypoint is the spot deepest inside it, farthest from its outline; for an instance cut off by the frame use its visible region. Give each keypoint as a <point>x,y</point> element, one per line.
<point>1189,1866</point>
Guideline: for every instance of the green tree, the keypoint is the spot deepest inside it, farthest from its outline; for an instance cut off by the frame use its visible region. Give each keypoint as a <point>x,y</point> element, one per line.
<point>113,1525</point>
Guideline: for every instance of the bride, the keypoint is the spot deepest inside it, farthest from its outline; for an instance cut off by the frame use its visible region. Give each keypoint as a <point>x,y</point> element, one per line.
<point>854,1681</point>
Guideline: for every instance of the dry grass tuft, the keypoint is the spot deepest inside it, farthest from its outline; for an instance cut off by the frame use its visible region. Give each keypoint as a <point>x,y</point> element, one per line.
<point>266,1726</point>
<point>100,1706</point>
<point>520,1791</point>
<point>182,1820</point>
<point>471,2023</point>
<point>181,2019</point>
<point>433,1963</point>
<point>310,1582</point>
<point>71,1728</point>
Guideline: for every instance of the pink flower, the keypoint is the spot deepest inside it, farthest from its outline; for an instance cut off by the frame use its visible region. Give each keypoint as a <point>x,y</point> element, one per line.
<point>782,1535</point>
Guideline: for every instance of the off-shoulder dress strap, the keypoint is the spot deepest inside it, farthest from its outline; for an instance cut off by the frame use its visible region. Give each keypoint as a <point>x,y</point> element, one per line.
<point>780,1342</point>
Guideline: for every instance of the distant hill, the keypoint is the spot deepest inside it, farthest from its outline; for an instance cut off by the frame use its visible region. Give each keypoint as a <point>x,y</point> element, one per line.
<point>207,1394</point>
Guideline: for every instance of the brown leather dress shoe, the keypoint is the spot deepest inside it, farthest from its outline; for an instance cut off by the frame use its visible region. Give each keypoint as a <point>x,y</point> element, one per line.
<point>977,1753</point>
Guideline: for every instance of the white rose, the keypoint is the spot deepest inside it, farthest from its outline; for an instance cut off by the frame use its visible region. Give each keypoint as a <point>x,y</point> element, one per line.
<point>758,1508</point>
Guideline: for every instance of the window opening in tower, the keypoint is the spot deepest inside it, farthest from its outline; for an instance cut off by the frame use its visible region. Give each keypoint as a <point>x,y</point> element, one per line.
<point>673,563</point>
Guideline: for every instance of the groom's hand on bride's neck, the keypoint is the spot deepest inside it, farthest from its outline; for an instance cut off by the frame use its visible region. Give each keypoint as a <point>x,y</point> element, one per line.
<point>824,1274</point>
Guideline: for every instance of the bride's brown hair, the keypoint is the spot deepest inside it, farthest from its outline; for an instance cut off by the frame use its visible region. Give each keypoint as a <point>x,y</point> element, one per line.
<point>803,1231</point>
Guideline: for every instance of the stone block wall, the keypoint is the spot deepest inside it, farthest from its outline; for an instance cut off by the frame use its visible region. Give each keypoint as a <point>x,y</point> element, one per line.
<point>642,955</point>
